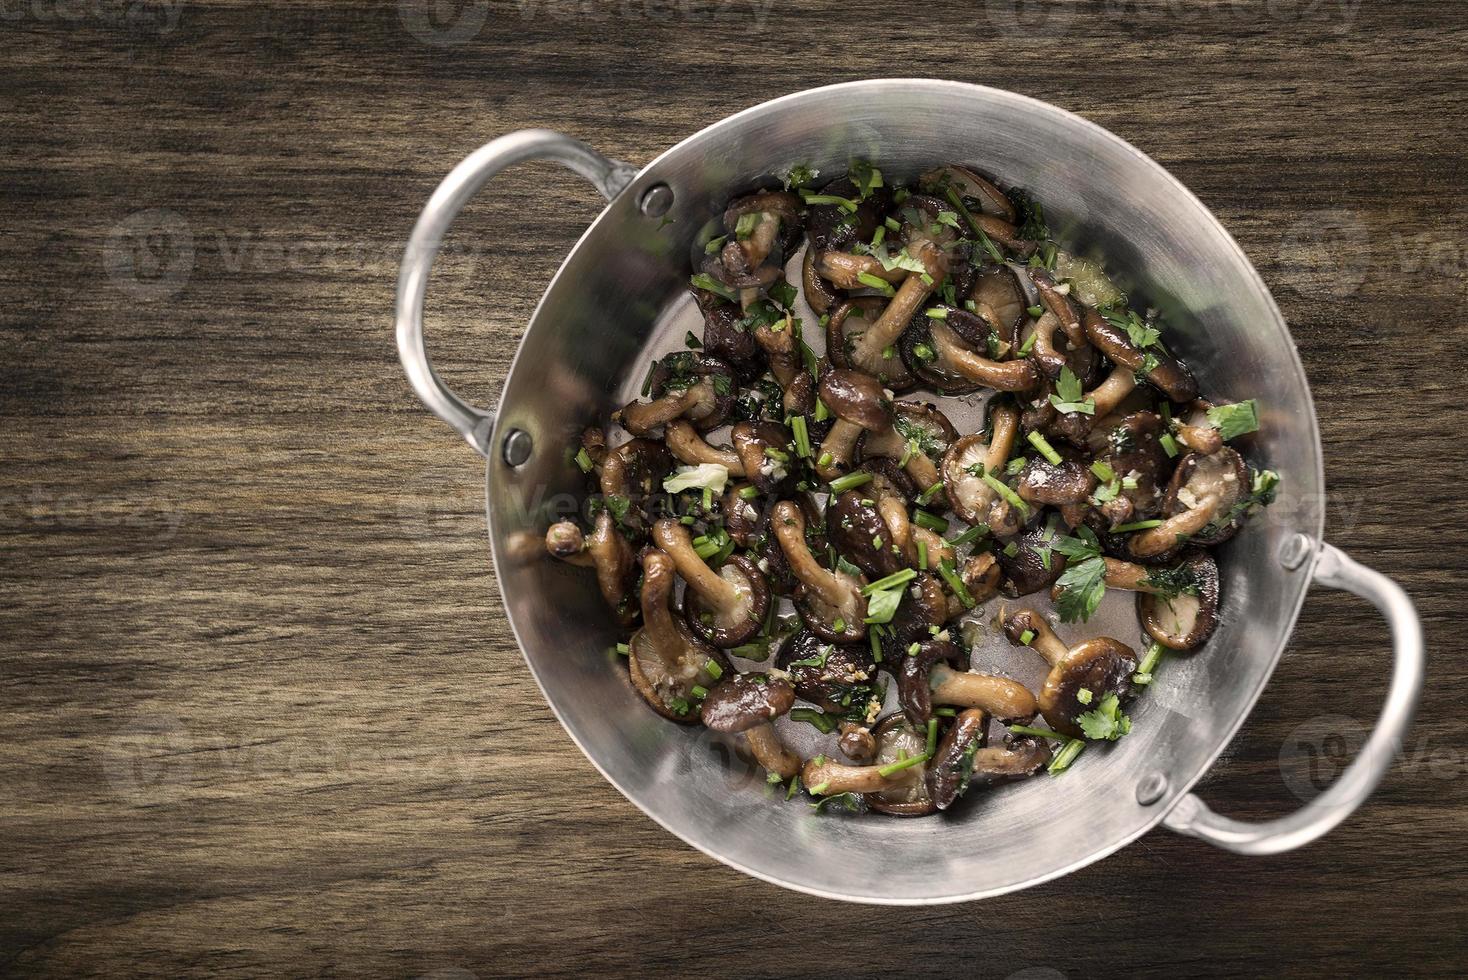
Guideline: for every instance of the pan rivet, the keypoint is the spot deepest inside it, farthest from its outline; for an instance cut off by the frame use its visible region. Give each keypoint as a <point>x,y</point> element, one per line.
<point>1151,788</point>
<point>656,200</point>
<point>517,447</point>
<point>1294,551</point>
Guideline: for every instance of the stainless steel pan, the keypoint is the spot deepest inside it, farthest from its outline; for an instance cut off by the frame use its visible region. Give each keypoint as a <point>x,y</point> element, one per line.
<point>621,296</point>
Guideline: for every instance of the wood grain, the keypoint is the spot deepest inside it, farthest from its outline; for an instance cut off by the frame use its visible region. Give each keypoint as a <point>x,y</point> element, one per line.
<point>262,710</point>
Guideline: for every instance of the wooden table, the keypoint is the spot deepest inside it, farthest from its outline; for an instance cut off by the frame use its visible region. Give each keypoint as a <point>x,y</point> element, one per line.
<point>262,711</point>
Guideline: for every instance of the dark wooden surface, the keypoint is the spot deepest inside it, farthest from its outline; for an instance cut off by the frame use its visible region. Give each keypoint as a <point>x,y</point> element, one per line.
<point>260,711</point>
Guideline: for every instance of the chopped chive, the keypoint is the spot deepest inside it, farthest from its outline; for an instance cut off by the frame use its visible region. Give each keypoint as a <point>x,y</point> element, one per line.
<point>972,534</point>
<point>699,691</point>
<point>932,522</point>
<point>1066,756</point>
<point>875,640</point>
<point>889,352</point>
<point>932,736</point>
<point>926,497</point>
<point>819,788</point>
<point>936,313</point>
<point>881,234</point>
<point>1035,311</point>
<point>1041,443</point>
<point>945,712</point>
<point>1084,695</point>
<point>623,650</point>
<point>1169,444</point>
<point>1149,663</point>
<point>825,460</point>
<point>945,569</point>
<point>647,381</point>
<point>1135,526</point>
<point>822,412</point>
<point>802,436</point>
<point>890,582</point>
<point>691,342</point>
<point>819,720</point>
<point>1026,637</point>
<point>706,550</point>
<point>779,455</point>
<point>707,282</point>
<point>896,767</point>
<point>794,786</point>
<point>583,460</point>
<point>922,550</point>
<point>1011,549</point>
<point>748,493</point>
<point>881,285</point>
<point>1028,345</point>
<point>1037,732</point>
<point>850,482</point>
<point>714,244</point>
<point>844,204</point>
<point>913,648</point>
<point>1103,472</point>
<point>999,487</point>
<point>712,668</point>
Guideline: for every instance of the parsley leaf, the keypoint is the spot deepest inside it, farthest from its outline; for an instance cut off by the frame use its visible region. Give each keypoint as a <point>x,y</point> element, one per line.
<point>1069,394</point>
<point>1106,720</point>
<point>866,177</point>
<point>1081,588</point>
<point>798,176</point>
<point>1235,420</point>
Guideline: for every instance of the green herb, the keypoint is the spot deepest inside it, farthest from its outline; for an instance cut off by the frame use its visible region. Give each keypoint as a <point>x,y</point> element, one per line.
<point>1084,695</point>
<point>933,737</point>
<point>845,204</point>
<point>822,412</point>
<point>583,460</point>
<point>1028,345</point>
<point>1136,526</point>
<point>922,550</point>
<point>932,522</point>
<point>882,605</point>
<point>1106,721</point>
<point>1068,397</point>
<point>913,648</point>
<point>748,493</point>
<point>926,497</point>
<point>891,769</point>
<point>784,294</point>
<point>849,801</point>
<point>798,176</point>
<point>970,535</point>
<point>712,668</point>
<point>1083,584</point>
<point>1037,732</point>
<point>1103,472</point>
<point>1026,638</point>
<point>678,706</point>
<point>879,235</point>
<point>955,584</point>
<point>890,582</point>
<point>936,313</point>
<point>1001,488</point>
<point>1041,443</point>
<point>1235,420</point>
<point>819,720</point>
<point>1168,444</point>
<point>881,285</point>
<point>623,650</point>
<point>1032,224</point>
<point>707,282</point>
<point>825,460</point>
<point>1065,757</point>
<point>1149,663</point>
<point>988,246</point>
<point>817,659</point>
<point>714,244</point>
<point>866,177</point>
<point>618,505</point>
<point>746,224</point>
<point>1172,582</point>
<point>850,482</point>
<point>802,436</point>
<point>699,691</point>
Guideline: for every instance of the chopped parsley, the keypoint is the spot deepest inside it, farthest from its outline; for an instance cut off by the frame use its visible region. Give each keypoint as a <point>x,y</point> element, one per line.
<point>1105,721</point>
<point>1069,394</point>
<point>1235,420</point>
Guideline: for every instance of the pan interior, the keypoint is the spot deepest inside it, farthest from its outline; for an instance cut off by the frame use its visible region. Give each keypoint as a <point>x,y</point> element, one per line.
<point>621,299</point>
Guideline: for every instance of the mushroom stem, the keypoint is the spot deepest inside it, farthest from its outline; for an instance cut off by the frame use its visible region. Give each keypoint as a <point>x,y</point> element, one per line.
<point>1050,359</point>
<point>894,515</point>
<point>1060,305</point>
<point>842,270</point>
<point>770,752</point>
<point>937,547</point>
<point>1200,439</point>
<point>1005,699</point>
<point>1128,576</point>
<point>1044,642</point>
<point>789,526</point>
<point>1109,393</point>
<point>1019,375</point>
<point>657,618</point>
<point>779,348</point>
<point>687,446</point>
<point>840,445</point>
<point>826,777</point>
<point>1166,536</point>
<point>673,538</point>
<point>565,541</point>
<point>910,295</point>
<point>641,418</point>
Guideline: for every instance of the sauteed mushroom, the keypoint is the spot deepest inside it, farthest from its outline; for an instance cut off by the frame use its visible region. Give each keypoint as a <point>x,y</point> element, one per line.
<point>687,446</point>
<point>1029,563</point>
<point>948,773</point>
<point>892,783</point>
<point>724,608</point>
<point>845,329</point>
<point>830,601</point>
<point>1099,666</point>
<point>917,439</point>
<point>859,404</point>
<point>1199,506</point>
<point>726,337</point>
<point>664,659</point>
<point>925,678</point>
<point>764,450</point>
<point>746,704</point>
<point>839,677</point>
<point>969,461</point>
<point>688,385</point>
<point>608,552</point>
<point>1160,367</point>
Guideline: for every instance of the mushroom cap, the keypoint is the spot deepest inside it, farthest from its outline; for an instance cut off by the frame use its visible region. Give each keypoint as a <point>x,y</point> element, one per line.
<point>857,742</point>
<point>908,795</point>
<point>725,338</point>
<point>923,606</point>
<point>1222,474</point>
<point>1102,666</point>
<point>998,293</point>
<point>1026,572</point>
<point>1020,757</point>
<point>751,439</point>
<point>635,469</point>
<point>926,360</point>
<point>1044,482</point>
<point>662,675</point>
<point>564,539</point>
<point>947,774</point>
<point>820,617</point>
<point>740,702</point>
<point>840,677</point>
<point>912,672</point>
<point>979,194</point>
<point>861,536</point>
<point>1184,621</point>
<point>685,368</point>
<point>1132,447</point>
<point>856,397</point>
<point>968,495</point>
<point>888,480</point>
<point>830,226</point>
<point>1170,375</point>
<point>911,420</point>
<point>819,293</point>
<point>722,630</point>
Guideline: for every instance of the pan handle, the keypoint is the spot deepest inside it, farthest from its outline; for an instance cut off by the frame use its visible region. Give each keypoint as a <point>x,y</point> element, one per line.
<point>609,177</point>
<point>1192,816</point>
